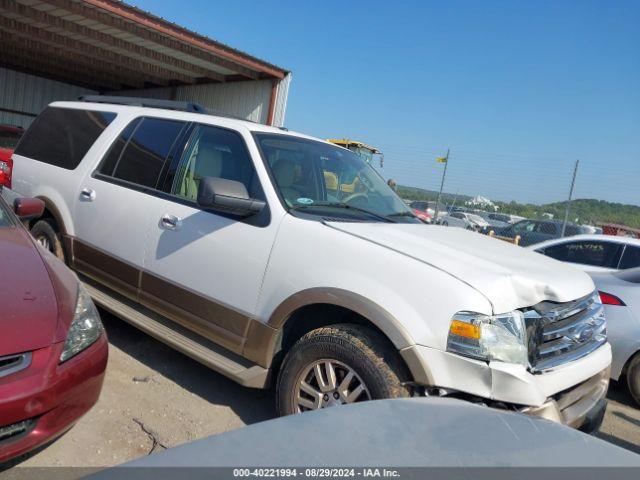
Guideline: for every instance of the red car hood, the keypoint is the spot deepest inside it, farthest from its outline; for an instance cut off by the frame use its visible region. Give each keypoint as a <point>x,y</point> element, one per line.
<point>28,305</point>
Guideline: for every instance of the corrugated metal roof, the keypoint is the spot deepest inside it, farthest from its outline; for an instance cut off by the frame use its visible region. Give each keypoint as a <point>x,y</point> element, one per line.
<point>108,44</point>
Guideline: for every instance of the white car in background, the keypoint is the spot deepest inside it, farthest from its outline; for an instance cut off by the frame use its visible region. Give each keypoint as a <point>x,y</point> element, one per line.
<point>470,221</point>
<point>620,295</point>
<point>593,253</point>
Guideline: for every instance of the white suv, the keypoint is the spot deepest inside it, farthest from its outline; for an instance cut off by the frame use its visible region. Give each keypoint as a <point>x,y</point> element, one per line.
<point>269,255</point>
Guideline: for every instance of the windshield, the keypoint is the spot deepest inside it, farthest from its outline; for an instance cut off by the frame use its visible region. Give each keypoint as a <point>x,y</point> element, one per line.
<point>322,179</point>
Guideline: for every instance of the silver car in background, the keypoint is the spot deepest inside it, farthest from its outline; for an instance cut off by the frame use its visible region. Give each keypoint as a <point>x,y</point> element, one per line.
<point>620,295</point>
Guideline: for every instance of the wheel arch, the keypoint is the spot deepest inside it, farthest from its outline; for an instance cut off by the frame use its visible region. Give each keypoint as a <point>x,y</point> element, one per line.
<point>62,221</point>
<point>318,307</point>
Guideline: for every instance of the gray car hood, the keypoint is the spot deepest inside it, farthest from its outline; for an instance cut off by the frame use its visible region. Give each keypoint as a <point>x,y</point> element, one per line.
<point>509,276</point>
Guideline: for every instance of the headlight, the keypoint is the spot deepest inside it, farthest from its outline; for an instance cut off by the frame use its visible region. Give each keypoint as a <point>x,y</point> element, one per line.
<point>497,337</point>
<point>85,329</point>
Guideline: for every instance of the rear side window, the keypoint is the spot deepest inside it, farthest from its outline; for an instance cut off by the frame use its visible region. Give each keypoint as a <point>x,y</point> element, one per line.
<point>139,153</point>
<point>62,136</point>
<point>598,254</point>
<point>630,258</point>
<point>546,228</point>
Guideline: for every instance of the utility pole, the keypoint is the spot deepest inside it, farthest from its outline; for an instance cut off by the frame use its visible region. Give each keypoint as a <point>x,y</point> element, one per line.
<point>566,210</point>
<point>444,160</point>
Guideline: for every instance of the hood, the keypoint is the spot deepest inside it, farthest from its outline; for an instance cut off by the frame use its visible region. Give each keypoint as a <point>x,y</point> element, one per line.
<point>509,276</point>
<point>28,306</point>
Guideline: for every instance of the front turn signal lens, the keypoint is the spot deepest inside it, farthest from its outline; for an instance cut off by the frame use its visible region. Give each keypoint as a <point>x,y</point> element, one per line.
<point>463,329</point>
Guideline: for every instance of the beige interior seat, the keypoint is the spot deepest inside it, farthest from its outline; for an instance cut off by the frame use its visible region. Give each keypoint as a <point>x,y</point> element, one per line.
<point>206,161</point>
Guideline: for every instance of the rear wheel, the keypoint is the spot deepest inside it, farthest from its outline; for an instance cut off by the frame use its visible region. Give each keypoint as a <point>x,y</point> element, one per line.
<point>633,377</point>
<point>337,365</point>
<point>46,234</point>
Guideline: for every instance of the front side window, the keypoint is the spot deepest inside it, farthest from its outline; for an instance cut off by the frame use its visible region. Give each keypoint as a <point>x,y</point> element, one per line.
<point>140,152</point>
<point>630,257</point>
<point>62,136</point>
<point>598,254</point>
<point>214,152</point>
<point>325,180</point>
<point>524,226</point>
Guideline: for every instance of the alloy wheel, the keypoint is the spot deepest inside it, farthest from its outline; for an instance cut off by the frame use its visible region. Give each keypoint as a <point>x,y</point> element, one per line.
<point>328,383</point>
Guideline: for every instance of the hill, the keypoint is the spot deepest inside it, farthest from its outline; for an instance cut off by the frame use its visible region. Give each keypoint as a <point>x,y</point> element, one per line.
<point>586,211</point>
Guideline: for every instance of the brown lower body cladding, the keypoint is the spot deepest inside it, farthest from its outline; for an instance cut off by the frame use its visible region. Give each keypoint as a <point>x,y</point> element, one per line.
<point>221,324</point>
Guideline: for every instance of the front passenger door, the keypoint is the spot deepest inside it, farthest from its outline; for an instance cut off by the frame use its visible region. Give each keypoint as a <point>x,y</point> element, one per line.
<point>204,269</point>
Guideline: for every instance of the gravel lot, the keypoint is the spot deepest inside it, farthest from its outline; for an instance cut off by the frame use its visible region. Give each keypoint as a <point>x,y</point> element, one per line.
<point>156,398</point>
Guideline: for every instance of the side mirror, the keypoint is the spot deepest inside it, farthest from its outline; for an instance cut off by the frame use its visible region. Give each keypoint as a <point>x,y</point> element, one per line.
<point>27,208</point>
<point>227,196</point>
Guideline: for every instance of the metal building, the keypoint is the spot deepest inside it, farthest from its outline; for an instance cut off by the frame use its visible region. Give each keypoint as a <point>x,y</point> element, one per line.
<point>62,49</point>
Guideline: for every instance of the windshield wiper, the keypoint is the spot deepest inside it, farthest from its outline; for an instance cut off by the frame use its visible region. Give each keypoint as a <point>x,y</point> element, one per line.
<point>401,214</point>
<point>344,206</point>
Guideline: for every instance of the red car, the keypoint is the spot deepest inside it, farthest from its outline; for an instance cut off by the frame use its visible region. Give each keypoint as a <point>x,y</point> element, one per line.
<point>9,136</point>
<point>53,349</point>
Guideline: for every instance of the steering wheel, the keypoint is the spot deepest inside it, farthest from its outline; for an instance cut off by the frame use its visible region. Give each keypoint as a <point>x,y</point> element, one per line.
<point>355,196</point>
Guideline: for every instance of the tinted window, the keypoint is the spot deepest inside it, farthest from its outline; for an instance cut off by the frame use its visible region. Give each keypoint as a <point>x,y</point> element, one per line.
<point>546,228</point>
<point>599,254</point>
<point>630,257</point>
<point>113,156</point>
<point>9,138</point>
<point>215,152</point>
<point>419,205</point>
<point>62,136</point>
<point>524,226</point>
<point>144,155</point>
<point>571,230</point>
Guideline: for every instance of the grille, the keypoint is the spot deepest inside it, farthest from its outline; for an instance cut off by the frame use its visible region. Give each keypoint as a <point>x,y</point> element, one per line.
<point>561,333</point>
<point>14,363</point>
<point>17,430</point>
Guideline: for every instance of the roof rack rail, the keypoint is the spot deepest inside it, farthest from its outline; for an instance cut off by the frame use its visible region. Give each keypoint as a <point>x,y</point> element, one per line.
<point>145,102</point>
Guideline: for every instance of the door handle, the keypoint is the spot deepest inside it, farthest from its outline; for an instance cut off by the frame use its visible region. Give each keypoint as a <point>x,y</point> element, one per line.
<point>88,194</point>
<point>170,222</point>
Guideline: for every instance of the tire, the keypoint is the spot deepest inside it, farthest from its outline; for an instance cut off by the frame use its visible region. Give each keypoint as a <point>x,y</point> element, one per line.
<point>46,234</point>
<point>633,377</point>
<point>446,224</point>
<point>375,368</point>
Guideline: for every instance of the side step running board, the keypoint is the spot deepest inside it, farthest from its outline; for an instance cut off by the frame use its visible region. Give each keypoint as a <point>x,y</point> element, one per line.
<point>193,345</point>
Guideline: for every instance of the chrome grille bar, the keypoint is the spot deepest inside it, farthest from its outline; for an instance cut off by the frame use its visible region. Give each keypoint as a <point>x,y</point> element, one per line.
<point>559,334</point>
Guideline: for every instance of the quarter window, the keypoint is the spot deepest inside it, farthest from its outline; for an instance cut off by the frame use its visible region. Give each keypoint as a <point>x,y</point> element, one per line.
<point>598,254</point>
<point>62,136</point>
<point>214,152</point>
<point>630,258</point>
<point>144,153</point>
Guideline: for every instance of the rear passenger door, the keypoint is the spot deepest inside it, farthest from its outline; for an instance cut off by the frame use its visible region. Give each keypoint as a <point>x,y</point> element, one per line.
<point>204,269</point>
<point>114,200</point>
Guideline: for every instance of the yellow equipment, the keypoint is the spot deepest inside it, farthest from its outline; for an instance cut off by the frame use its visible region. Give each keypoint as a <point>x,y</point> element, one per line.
<point>365,151</point>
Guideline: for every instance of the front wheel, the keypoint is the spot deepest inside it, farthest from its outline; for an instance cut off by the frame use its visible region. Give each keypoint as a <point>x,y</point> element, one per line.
<point>337,365</point>
<point>46,234</point>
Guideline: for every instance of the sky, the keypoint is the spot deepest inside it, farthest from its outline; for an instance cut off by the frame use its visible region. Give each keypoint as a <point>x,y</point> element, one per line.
<point>517,90</point>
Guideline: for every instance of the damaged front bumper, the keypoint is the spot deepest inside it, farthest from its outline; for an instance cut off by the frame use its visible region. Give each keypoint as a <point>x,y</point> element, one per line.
<point>572,394</point>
